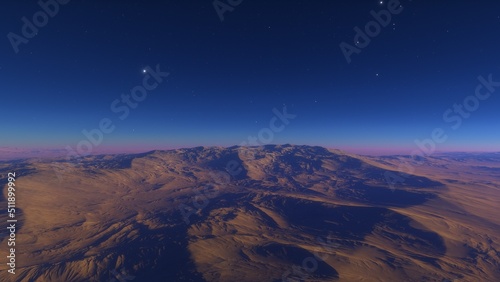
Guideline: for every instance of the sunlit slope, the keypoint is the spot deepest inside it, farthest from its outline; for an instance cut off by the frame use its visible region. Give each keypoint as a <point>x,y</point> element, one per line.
<point>267,213</point>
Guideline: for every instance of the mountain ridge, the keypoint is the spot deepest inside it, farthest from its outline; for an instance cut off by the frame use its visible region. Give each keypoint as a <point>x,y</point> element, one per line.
<point>278,212</point>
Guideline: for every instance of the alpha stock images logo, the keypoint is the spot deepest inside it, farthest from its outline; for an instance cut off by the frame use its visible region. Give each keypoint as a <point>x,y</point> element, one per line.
<point>454,117</point>
<point>31,26</point>
<point>363,37</point>
<point>223,6</point>
<point>121,107</point>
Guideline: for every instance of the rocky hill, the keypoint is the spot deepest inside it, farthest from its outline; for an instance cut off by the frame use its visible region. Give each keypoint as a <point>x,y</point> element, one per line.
<point>269,213</point>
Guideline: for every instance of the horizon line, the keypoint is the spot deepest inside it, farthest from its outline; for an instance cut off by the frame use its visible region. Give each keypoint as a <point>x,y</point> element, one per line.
<point>18,153</point>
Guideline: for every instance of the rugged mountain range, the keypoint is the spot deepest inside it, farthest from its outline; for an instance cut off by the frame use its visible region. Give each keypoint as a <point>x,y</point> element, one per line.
<point>269,213</point>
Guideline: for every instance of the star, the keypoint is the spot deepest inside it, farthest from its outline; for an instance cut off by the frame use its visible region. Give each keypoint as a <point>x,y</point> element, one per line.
<point>144,71</point>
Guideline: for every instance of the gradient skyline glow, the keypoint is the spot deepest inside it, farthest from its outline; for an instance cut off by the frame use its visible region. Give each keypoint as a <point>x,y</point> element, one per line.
<point>225,78</point>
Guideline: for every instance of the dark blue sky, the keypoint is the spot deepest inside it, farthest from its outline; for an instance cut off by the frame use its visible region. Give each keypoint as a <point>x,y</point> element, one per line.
<point>226,77</point>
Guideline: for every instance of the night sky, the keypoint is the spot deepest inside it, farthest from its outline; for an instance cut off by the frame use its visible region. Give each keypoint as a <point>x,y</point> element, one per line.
<point>226,77</point>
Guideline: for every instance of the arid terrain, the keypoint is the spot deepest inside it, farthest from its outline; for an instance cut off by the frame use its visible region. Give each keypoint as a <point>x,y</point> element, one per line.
<point>268,213</point>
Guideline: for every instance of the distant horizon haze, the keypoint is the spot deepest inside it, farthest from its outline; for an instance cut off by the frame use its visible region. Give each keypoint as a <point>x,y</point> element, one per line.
<point>12,153</point>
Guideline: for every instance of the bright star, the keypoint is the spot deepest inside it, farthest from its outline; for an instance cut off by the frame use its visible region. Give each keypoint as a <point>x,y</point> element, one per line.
<point>143,71</point>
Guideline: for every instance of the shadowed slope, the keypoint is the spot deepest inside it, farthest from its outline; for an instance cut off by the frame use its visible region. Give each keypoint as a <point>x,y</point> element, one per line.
<point>269,210</point>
